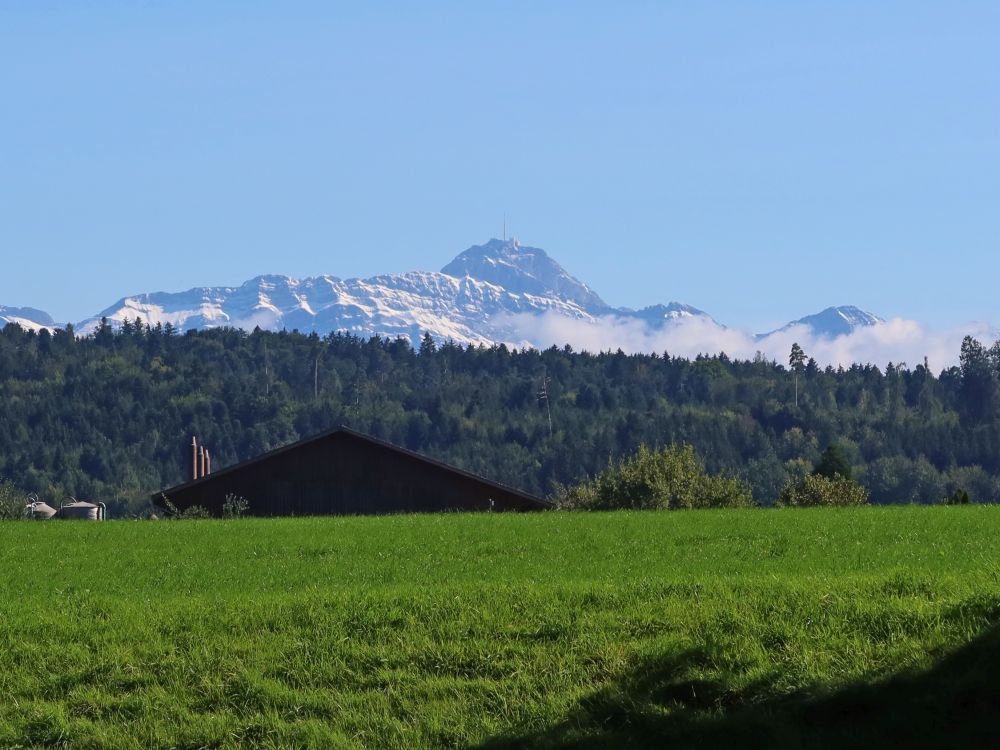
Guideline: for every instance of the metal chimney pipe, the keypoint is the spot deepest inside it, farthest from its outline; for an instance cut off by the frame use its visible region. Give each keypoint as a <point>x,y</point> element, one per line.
<point>194,458</point>
<point>208,462</point>
<point>201,455</point>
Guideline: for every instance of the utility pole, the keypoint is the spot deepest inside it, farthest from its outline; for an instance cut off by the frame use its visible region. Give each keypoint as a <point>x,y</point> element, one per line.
<point>543,395</point>
<point>267,374</point>
<point>797,361</point>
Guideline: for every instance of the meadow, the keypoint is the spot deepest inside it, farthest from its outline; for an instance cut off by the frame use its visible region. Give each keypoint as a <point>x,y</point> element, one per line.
<point>749,628</point>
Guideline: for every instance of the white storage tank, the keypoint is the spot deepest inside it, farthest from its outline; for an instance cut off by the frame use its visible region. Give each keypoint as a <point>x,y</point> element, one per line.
<point>80,510</point>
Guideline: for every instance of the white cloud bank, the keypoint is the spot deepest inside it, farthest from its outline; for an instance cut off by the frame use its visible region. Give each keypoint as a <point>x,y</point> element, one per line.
<point>894,340</point>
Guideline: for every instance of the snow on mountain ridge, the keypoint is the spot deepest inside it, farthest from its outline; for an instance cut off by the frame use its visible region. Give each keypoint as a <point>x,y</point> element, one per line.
<point>521,268</point>
<point>407,304</point>
<point>659,315</point>
<point>471,301</point>
<point>29,318</point>
<point>833,322</point>
<point>488,294</point>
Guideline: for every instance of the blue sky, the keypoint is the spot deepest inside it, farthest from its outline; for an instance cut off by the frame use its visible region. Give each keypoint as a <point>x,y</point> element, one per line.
<point>758,160</point>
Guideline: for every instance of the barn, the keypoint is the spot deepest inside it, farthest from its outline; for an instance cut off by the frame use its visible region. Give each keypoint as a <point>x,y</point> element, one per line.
<point>343,472</point>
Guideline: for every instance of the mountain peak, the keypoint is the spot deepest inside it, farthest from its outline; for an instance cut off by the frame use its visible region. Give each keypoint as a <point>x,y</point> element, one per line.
<point>522,269</point>
<point>672,312</point>
<point>836,321</point>
<point>27,317</point>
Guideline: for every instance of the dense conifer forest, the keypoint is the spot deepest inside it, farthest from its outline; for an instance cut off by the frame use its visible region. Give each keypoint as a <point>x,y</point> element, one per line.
<point>110,416</point>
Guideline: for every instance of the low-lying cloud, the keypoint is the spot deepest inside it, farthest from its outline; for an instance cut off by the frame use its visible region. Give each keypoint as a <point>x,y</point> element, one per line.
<point>896,340</point>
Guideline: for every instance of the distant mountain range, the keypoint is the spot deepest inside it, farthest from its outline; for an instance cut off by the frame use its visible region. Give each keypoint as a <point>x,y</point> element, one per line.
<point>26,317</point>
<point>480,297</point>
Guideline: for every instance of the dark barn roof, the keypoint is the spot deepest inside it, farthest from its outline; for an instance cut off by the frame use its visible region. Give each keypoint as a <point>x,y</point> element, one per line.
<point>343,472</point>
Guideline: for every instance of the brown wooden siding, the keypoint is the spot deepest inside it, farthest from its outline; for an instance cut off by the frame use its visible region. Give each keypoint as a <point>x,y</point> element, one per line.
<point>347,473</point>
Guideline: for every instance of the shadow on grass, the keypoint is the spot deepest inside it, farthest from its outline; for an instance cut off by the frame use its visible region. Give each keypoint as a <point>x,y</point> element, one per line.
<point>956,704</point>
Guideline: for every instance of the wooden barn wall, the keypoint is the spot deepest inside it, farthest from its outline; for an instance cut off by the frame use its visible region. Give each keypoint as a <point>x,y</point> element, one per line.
<point>340,474</point>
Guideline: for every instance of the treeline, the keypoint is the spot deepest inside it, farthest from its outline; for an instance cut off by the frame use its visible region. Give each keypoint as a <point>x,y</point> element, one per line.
<point>110,416</point>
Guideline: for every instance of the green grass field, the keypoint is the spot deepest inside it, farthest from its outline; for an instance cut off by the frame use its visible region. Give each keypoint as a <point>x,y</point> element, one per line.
<point>752,628</point>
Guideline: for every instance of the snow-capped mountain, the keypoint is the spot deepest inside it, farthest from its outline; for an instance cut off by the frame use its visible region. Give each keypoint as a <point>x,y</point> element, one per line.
<point>523,270</point>
<point>470,301</point>
<point>408,304</point>
<point>833,322</point>
<point>487,294</point>
<point>27,317</point>
<point>660,315</point>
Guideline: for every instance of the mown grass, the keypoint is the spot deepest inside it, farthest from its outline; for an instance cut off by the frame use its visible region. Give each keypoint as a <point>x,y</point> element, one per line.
<point>556,629</point>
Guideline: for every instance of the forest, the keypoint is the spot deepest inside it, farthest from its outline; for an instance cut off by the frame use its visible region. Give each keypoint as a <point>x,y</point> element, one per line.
<point>110,416</point>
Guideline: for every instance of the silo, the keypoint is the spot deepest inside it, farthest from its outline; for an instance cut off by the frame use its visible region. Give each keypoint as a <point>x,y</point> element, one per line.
<point>79,510</point>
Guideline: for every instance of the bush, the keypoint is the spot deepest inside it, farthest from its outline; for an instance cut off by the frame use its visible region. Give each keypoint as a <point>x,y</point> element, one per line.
<point>234,506</point>
<point>171,511</point>
<point>671,478</point>
<point>958,497</point>
<point>12,501</point>
<point>194,513</point>
<point>898,479</point>
<point>815,490</point>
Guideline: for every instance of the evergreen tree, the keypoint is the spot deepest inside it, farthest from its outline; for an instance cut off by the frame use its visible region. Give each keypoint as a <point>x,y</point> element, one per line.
<point>833,463</point>
<point>108,417</point>
<point>427,345</point>
<point>797,361</point>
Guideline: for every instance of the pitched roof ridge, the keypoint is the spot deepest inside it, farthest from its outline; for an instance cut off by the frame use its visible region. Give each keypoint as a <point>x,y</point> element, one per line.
<point>342,428</point>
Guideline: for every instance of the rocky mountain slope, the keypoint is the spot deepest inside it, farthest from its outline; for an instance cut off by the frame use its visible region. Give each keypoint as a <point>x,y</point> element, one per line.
<point>469,301</point>
<point>480,297</point>
<point>27,317</point>
<point>833,322</point>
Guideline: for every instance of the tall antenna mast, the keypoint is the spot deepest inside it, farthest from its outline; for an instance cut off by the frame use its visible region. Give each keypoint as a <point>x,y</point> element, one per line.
<point>543,395</point>
<point>267,374</point>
